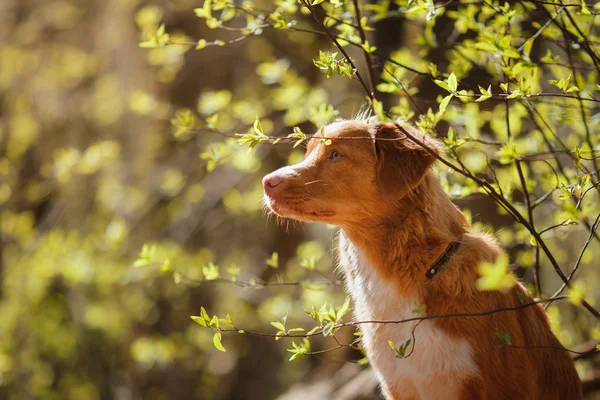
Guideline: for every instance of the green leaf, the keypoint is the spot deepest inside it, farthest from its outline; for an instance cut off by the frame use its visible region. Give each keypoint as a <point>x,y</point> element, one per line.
<point>485,93</point>
<point>211,120</point>
<point>159,39</point>
<point>328,329</point>
<point>184,121</point>
<point>566,192</point>
<point>442,84</point>
<point>204,314</point>
<point>495,275</point>
<point>280,21</point>
<point>385,87</point>
<point>368,48</point>
<point>314,314</point>
<point>343,310</point>
<point>452,84</point>
<point>444,103</point>
<point>364,23</point>
<point>324,140</point>
<point>201,44</point>
<point>199,320</point>
<point>511,53</point>
<point>279,335</point>
<point>258,127</point>
<point>278,325</point>
<point>566,82</point>
<point>527,48</point>
<point>274,260</point>
<point>576,293</point>
<point>392,345</point>
<point>533,241</point>
<point>140,262</point>
<point>217,342</point>
<point>363,361</point>
<point>549,58</point>
<point>452,141</point>
<point>378,109</point>
<point>309,263</point>
<point>515,94</point>
<point>205,11</point>
<point>252,139</point>
<point>503,336</point>
<point>166,266</point>
<point>214,322</point>
<point>146,255</point>
<point>210,272</point>
<point>400,351</point>
<point>345,69</point>
<point>298,134</point>
<point>420,309</point>
<point>584,8</point>
<point>485,46</point>
<point>299,350</point>
<point>507,153</point>
<point>148,251</point>
<point>562,84</point>
<point>227,320</point>
<point>313,330</point>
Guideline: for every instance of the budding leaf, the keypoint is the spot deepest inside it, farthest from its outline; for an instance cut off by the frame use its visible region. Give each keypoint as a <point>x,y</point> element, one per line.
<point>198,320</point>
<point>368,48</point>
<point>495,275</point>
<point>343,310</point>
<point>504,337</point>
<point>452,84</point>
<point>485,94</point>
<point>274,260</point>
<point>217,342</point>
<point>444,103</point>
<point>278,325</point>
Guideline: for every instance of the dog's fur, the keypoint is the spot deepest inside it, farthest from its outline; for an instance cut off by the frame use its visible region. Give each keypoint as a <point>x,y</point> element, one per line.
<point>395,222</point>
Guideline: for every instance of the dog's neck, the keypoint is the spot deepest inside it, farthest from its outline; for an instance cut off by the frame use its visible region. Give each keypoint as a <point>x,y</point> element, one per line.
<point>414,233</point>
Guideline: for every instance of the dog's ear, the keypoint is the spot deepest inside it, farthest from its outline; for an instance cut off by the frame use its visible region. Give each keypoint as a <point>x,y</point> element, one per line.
<point>401,163</point>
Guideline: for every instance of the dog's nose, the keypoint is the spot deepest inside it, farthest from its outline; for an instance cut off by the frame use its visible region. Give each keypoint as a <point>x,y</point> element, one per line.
<point>271,181</point>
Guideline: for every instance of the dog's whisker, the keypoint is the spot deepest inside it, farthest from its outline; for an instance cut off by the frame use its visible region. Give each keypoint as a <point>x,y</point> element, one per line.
<point>310,183</point>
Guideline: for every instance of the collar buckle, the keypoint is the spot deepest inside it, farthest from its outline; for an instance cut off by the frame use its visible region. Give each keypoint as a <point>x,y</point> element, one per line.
<point>442,259</point>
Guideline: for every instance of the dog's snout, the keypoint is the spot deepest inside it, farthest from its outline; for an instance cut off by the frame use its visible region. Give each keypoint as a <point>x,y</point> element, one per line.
<point>271,181</point>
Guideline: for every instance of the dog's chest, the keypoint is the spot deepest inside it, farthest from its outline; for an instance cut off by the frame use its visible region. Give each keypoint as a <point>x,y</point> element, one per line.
<point>430,352</point>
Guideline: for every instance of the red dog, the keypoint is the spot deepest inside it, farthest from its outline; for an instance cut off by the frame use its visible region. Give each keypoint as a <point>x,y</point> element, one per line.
<point>403,244</point>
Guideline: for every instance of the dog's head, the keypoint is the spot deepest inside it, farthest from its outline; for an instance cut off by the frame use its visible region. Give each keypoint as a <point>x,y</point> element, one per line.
<point>365,169</point>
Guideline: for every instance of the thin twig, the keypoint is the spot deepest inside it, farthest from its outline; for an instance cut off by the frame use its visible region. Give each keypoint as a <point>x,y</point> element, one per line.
<point>400,321</point>
<point>581,253</point>
<point>340,48</point>
<point>369,61</point>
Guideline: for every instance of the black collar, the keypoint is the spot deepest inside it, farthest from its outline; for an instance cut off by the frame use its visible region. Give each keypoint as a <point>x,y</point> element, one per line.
<point>443,259</point>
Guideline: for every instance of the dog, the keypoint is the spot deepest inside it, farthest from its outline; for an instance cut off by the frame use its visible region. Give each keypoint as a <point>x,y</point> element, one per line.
<point>405,248</point>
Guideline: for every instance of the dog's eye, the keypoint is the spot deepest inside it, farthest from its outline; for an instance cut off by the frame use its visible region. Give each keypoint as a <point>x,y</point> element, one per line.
<point>335,154</point>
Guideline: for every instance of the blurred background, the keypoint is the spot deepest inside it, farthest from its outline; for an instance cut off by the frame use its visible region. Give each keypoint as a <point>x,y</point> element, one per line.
<point>99,156</point>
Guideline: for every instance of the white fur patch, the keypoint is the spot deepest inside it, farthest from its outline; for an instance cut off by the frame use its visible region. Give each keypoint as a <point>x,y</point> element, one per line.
<point>434,353</point>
